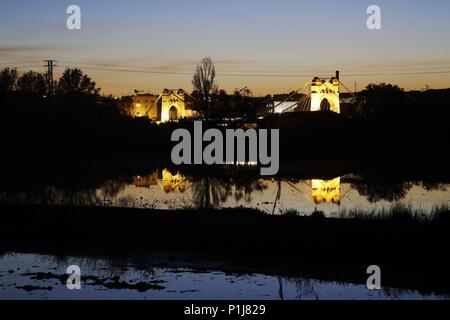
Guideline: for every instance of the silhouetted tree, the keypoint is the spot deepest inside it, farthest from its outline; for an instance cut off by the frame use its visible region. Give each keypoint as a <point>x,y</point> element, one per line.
<point>244,103</point>
<point>74,81</point>
<point>8,80</point>
<point>32,82</point>
<point>205,86</point>
<point>244,93</point>
<point>126,105</point>
<point>380,99</point>
<point>208,192</point>
<point>240,104</point>
<point>377,188</point>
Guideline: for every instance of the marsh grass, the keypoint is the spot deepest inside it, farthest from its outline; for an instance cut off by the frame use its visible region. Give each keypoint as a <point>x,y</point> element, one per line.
<point>397,212</point>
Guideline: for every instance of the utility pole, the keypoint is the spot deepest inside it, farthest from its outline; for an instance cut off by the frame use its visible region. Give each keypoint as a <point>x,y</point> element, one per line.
<point>50,64</point>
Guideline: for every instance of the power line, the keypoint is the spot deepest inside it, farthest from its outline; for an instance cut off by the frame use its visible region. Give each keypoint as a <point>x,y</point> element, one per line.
<point>50,65</point>
<point>123,66</point>
<point>25,67</point>
<point>130,70</point>
<point>190,73</point>
<point>264,75</point>
<point>397,74</point>
<point>161,69</point>
<point>19,62</point>
<point>400,68</point>
<point>411,67</point>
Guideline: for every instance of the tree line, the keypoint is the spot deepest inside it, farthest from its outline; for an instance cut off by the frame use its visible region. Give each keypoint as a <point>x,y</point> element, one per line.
<point>71,81</point>
<point>76,88</point>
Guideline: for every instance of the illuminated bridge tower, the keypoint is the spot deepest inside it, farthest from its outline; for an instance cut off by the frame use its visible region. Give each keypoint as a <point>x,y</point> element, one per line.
<point>325,94</point>
<point>173,105</point>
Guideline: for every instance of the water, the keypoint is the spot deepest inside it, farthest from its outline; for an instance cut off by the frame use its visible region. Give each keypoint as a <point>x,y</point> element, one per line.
<point>335,193</point>
<point>166,189</point>
<point>18,273</point>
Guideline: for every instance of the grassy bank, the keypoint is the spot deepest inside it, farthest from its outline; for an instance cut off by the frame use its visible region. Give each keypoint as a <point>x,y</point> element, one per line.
<point>410,252</point>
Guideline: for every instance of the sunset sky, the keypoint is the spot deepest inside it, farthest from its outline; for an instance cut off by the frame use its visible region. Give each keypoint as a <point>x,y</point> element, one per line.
<point>269,46</point>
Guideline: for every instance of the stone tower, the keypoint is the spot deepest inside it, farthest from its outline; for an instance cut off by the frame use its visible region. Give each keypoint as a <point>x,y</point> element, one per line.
<point>173,105</point>
<point>325,94</point>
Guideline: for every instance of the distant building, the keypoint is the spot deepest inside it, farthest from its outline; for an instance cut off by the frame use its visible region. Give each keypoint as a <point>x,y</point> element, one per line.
<point>286,106</point>
<point>170,105</point>
<point>279,104</point>
<point>144,106</point>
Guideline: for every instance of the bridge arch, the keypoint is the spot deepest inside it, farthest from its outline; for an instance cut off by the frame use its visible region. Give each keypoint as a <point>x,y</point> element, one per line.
<point>325,105</point>
<point>328,103</point>
<point>325,95</point>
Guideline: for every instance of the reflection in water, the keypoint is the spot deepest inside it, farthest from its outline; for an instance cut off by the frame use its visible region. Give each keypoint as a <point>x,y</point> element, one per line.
<point>173,183</point>
<point>328,191</point>
<point>212,192</point>
<point>44,277</point>
<point>236,187</point>
<point>165,179</point>
<point>378,188</point>
<point>146,182</point>
<point>208,192</point>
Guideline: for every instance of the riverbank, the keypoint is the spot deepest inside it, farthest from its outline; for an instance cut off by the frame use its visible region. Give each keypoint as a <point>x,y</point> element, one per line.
<point>303,135</point>
<point>409,251</point>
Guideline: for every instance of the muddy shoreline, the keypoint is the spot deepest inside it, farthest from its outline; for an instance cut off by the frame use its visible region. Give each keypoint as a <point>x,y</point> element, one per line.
<point>410,252</point>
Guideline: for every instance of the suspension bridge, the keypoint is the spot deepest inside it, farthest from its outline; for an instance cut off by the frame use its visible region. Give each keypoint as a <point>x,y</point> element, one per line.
<point>317,95</point>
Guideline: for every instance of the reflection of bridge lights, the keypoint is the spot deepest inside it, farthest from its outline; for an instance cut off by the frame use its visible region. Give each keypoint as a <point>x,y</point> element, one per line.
<point>165,179</point>
<point>241,163</point>
<point>145,182</point>
<point>328,191</point>
<point>173,183</point>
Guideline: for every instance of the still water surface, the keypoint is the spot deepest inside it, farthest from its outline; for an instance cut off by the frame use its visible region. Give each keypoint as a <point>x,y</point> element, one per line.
<point>334,196</point>
<point>165,189</point>
<point>36,277</point>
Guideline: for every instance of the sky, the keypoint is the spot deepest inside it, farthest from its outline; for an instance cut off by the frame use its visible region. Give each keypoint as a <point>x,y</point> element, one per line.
<point>268,46</point>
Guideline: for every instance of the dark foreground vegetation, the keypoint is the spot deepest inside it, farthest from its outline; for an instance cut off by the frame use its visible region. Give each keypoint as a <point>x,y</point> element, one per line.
<point>410,251</point>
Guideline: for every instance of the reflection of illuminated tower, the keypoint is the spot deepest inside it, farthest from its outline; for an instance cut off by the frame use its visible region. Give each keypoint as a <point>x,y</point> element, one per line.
<point>173,183</point>
<point>326,191</point>
<point>167,181</point>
